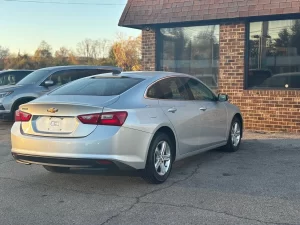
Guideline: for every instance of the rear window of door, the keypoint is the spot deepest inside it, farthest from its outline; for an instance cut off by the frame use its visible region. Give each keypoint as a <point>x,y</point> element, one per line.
<point>12,77</point>
<point>169,88</point>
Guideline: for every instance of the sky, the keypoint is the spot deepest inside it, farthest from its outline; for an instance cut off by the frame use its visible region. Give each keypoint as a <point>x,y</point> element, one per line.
<point>23,25</point>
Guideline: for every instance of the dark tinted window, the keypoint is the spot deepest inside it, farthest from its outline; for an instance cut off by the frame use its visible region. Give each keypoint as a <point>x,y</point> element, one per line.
<point>34,77</point>
<point>197,90</point>
<point>295,81</point>
<point>170,88</point>
<point>191,50</point>
<point>66,76</point>
<point>12,77</point>
<point>274,49</point>
<point>98,86</point>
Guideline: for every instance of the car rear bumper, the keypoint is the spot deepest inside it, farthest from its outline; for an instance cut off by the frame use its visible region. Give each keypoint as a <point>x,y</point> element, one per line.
<point>121,146</point>
<point>69,162</point>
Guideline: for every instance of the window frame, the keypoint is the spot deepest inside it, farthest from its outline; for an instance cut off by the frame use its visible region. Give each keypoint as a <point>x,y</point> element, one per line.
<point>248,21</point>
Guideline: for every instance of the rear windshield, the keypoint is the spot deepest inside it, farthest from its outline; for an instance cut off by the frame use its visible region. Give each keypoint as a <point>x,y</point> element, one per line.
<point>98,86</point>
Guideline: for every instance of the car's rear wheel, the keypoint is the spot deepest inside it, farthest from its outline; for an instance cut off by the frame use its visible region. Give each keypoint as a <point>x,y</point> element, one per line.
<point>234,137</point>
<point>160,159</point>
<point>16,106</point>
<point>56,169</point>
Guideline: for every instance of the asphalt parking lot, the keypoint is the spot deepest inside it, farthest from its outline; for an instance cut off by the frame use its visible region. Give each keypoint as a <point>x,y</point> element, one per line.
<point>260,184</point>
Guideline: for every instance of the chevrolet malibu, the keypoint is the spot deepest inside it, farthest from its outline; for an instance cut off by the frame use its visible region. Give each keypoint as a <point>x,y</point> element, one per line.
<point>140,120</point>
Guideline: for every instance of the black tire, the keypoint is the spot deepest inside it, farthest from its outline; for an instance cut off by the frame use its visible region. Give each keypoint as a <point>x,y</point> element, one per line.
<point>230,146</point>
<point>56,169</point>
<point>16,106</point>
<point>150,174</point>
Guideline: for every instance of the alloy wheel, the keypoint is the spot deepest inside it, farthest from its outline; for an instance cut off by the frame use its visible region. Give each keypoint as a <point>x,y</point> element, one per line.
<point>162,158</point>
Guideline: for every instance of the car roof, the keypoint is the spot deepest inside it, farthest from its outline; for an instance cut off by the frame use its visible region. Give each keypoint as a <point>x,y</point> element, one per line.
<point>287,74</point>
<point>59,68</point>
<point>6,71</point>
<point>9,71</point>
<point>144,74</point>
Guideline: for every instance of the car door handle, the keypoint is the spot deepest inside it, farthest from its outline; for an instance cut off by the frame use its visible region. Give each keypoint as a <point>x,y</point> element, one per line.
<point>172,110</point>
<point>203,109</point>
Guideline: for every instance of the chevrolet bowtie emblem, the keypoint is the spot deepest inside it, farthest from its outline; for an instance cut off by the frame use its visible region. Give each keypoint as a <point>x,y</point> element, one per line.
<point>52,110</point>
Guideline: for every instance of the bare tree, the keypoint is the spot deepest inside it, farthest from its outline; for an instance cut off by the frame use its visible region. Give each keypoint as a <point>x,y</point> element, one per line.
<point>4,52</point>
<point>103,47</point>
<point>44,50</point>
<point>86,48</point>
<point>62,52</point>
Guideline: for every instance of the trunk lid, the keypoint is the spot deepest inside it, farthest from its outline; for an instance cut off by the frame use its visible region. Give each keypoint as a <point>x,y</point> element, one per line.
<point>56,116</point>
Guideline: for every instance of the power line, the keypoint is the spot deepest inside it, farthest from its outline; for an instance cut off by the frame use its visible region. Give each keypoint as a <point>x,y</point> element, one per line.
<point>63,3</point>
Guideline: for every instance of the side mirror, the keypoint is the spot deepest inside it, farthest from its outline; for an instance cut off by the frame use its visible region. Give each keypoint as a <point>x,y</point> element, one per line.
<point>49,83</point>
<point>222,98</point>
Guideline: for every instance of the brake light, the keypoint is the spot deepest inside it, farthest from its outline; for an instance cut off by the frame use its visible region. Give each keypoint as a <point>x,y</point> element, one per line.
<point>89,119</point>
<point>21,116</point>
<point>109,119</point>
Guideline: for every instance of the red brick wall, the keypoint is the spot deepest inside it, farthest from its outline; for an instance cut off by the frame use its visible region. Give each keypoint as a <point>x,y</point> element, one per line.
<point>148,50</point>
<point>263,110</point>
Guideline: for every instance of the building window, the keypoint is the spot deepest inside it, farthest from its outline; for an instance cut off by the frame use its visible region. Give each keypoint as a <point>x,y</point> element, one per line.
<point>274,55</point>
<point>191,50</point>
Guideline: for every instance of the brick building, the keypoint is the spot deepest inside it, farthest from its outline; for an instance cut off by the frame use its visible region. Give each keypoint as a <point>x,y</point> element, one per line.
<point>248,49</point>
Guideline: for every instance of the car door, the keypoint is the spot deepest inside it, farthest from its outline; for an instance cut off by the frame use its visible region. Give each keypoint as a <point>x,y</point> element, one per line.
<point>181,112</point>
<point>212,113</point>
<point>56,77</point>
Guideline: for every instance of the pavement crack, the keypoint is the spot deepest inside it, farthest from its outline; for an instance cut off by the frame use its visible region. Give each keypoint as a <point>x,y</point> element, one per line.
<point>122,211</point>
<point>215,211</point>
<point>173,183</point>
<point>138,199</point>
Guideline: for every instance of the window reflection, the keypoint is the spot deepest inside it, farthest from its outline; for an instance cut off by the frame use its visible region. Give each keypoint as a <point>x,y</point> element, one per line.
<point>191,50</point>
<point>274,50</point>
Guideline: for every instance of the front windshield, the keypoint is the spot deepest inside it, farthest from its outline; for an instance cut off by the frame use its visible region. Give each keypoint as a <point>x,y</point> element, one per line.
<point>34,77</point>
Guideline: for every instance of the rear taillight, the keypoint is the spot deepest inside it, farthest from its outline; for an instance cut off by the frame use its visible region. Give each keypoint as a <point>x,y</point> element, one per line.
<point>89,119</point>
<point>109,119</point>
<point>22,116</point>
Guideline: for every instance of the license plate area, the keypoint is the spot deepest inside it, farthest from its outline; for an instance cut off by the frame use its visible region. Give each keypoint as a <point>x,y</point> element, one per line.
<point>62,125</point>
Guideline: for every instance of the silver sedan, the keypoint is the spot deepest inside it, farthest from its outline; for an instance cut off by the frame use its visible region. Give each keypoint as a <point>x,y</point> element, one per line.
<point>140,120</point>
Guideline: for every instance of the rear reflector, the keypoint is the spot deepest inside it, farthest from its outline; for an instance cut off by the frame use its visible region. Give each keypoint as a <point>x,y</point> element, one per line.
<point>109,119</point>
<point>22,116</point>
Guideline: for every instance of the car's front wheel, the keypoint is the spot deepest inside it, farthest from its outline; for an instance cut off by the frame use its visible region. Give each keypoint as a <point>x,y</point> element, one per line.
<point>235,136</point>
<point>160,159</point>
<point>56,169</point>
